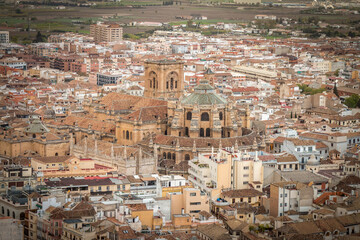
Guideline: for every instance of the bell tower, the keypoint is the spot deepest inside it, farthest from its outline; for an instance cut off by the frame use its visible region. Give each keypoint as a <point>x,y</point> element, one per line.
<point>164,79</point>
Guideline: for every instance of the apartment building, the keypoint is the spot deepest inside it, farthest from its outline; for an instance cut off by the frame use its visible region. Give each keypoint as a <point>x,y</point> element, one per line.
<point>107,78</point>
<point>190,201</point>
<point>286,196</point>
<point>106,32</point>
<point>4,36</point>
<point>226,170</point>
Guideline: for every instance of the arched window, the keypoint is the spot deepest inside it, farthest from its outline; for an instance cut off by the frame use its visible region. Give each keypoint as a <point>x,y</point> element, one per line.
<point>56,154</point>
<point>8,213</point>
<point>164,155</point>
<point>187,131</point>
<point>34,135</point>
<point>14,215</point>
<point>222,132</point>
<point>208,132</point>
<point>175,84</point>
<point>187,157</point>
<point>2,210</point>
<point>173,156</point>
<point>201,132</point>
<point>189,116</point>
<point>171,83</point>
<point>228,134</point>
<point>221,116</point>
<point>169,156</point>
<point>127,135</point>
<point>154,85</point>
<point>205,116</point>
<point>150,83</point>
<point>167,85</point>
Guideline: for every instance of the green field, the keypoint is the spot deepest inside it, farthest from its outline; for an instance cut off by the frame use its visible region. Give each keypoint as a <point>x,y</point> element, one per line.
<point>49,20</point>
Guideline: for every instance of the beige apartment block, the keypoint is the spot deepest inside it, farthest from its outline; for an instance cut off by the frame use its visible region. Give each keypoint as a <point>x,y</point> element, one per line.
<point>191,201</point>
<point>106,32</point>
<point>225,169</point>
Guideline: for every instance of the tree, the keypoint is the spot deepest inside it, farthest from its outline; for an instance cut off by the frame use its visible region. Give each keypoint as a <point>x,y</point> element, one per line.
<point>39,37</point>
<point>352,101</point>
<point>351,34</point>
<point>335,90</point>
<point>189,24</point>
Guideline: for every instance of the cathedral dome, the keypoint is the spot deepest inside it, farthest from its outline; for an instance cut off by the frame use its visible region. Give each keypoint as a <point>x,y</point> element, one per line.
<point>204,94</point>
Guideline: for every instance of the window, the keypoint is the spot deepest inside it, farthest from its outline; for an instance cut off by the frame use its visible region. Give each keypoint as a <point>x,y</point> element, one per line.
<point>221,116</point>
<point>186,131</point>
<point>246,168</point>
<point>201,132</point>
<point>193,194</point>
<point>280,204</point>
<point>245,182</point>
<point>246,175</point>
<point>127,135</point>
<point>208,132</point>
<point>194,211</point>
<point>195,203</point>
<point>205,116</point>
<point>188,116</point>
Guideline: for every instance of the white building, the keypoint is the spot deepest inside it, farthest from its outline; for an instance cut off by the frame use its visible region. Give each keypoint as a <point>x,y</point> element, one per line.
<point>301,149</point>
<point>4,36</point>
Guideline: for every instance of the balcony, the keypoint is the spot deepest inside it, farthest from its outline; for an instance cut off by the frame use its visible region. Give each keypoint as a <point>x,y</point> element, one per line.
<point>220,202</point>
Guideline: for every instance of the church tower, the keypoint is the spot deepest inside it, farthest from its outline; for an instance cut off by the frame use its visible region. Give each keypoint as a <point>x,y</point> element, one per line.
<point>164,79</point>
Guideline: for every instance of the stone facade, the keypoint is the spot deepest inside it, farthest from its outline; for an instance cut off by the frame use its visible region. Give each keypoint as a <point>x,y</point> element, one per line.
<point>36,139</point>
<point>164,79</point>
<point>127,160</point>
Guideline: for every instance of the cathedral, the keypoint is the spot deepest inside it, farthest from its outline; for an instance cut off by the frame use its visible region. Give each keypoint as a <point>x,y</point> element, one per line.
<point>169,123</point>
<point>190,123</point>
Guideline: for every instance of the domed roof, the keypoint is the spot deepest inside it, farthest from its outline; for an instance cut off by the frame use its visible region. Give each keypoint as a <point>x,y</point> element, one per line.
<point>204,94</point>
<point>312,160</point>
